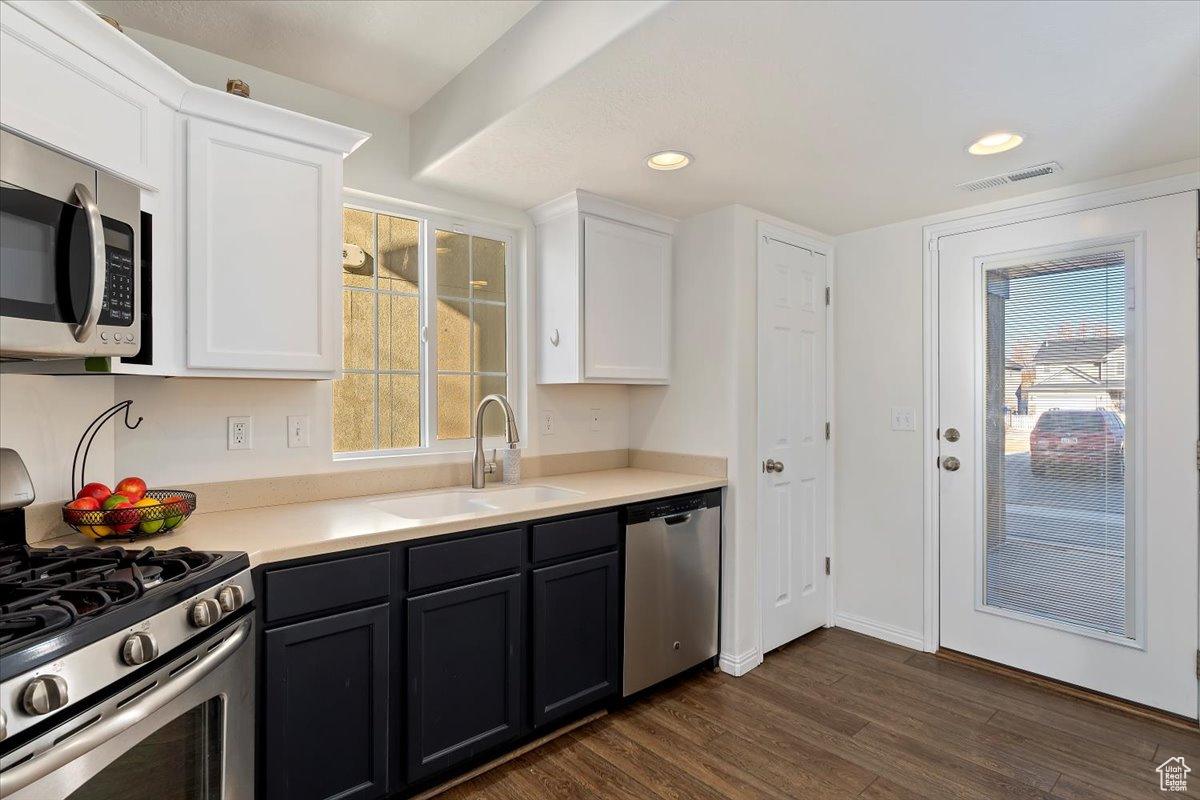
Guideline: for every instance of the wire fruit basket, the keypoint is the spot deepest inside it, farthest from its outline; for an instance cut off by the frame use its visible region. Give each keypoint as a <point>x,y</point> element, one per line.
<point>134,522</point>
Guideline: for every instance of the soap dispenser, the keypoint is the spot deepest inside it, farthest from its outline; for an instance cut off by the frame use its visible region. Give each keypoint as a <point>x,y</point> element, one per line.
<point>512,465</point>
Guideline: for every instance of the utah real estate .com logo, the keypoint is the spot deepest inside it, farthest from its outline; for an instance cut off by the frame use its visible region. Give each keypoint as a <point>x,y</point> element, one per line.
<point>1172,775</point>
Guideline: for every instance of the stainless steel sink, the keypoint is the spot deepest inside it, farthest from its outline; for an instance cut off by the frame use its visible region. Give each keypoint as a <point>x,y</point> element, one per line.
<point>460,502</point>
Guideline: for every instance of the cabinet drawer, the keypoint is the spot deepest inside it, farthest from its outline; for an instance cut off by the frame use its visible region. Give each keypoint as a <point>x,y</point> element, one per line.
<point>573,536</point>
<point>293,591</point>
<point>463,559</point>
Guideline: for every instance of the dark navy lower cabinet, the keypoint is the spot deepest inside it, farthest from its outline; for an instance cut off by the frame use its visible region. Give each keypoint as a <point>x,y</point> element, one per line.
<point>464,670</point>
<point>575,635</point>
<point>385,671</point>
<point>325,707</point>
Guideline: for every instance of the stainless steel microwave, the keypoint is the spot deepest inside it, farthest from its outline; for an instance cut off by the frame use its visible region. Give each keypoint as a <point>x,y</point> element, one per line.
<point>69,257</point>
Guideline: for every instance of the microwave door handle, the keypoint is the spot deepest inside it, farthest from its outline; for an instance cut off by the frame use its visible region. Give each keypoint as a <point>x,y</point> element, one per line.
<point>16,778</point>
<point>84,330</point>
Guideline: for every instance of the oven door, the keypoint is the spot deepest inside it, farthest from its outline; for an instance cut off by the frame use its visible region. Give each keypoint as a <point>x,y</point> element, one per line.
<point>183,732</point>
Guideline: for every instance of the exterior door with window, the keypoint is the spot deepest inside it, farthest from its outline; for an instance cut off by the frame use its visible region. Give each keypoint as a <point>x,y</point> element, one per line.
<point>1068,413</point>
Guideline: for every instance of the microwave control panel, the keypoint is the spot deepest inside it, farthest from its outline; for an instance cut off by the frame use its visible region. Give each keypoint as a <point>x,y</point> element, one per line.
<point>117,308</point>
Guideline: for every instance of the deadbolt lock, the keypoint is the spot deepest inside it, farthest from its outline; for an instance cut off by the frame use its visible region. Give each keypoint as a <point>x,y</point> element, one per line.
<point>951,434</point>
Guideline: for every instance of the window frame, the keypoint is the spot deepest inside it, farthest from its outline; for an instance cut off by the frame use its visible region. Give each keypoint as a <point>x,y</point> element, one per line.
<point>431,221</point>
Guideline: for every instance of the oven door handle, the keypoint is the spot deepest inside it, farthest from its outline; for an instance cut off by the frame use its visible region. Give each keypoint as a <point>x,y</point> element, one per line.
<point>91,315</point>
<point>21,775</point>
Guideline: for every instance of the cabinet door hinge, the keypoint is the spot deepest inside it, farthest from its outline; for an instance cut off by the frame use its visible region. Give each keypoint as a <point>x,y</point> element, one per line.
<point>1198,663</point>
<point>1198,455</point>
<point>826,295</point>
<point>828,431</point>
<point>1198,245</point>
<point>829,571</point>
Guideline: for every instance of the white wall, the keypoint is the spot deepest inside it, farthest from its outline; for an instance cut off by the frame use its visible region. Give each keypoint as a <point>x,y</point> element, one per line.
<point>711,405</point>
<point>182,439</point>
<point>42,418</point>
<point>878,502</point>
<point>879,363</point>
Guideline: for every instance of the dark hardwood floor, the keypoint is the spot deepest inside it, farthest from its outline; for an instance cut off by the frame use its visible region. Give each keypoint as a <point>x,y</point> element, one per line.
<point>838,715</point>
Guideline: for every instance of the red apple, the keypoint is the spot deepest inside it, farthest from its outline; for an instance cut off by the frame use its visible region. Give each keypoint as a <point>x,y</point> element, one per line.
<point>133,488</point>
<point>81,505</point>
<point>84,504</point>
<point>120,519</point>
<point>98,491</point>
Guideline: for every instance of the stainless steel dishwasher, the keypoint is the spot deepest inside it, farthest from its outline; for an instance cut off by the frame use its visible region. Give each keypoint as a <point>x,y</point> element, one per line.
<point>672,587</point>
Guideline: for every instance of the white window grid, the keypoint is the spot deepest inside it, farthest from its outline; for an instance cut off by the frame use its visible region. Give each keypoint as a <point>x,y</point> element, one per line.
<point>427,373</point>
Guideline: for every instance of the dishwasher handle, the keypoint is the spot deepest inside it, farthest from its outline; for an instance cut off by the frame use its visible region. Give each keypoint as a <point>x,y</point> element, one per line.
<point>678,519</point>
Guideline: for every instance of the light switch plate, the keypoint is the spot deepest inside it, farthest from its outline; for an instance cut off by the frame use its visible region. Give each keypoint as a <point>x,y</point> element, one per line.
<point>297,430</point>
<point>904,419</point>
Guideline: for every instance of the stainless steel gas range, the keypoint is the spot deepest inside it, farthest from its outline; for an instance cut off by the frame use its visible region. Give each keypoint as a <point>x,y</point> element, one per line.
<point>124,672</point>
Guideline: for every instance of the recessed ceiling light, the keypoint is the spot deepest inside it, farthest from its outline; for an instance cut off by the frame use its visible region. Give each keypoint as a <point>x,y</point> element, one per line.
<point>668,159</point>
<point>996,143</point>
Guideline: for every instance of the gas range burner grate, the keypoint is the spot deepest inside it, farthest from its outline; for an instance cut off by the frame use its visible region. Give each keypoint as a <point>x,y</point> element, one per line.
<point>43,591</point>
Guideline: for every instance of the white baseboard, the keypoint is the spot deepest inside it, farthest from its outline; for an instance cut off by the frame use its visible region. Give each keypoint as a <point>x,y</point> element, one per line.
<point>880,630</point>
<point>738,665</point>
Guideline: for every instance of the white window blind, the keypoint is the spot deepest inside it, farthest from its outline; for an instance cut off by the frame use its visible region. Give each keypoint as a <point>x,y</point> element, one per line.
<point>1055,397</point>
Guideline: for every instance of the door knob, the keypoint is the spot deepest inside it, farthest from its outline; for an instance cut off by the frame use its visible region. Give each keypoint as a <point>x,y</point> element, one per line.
<point>771,465</point>
<point>951,464</point>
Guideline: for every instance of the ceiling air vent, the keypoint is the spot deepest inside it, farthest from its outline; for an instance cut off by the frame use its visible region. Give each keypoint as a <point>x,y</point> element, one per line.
<point>1023,174</point>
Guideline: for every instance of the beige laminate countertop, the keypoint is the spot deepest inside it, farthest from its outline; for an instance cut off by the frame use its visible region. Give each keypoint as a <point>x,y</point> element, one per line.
<point>278,533</point>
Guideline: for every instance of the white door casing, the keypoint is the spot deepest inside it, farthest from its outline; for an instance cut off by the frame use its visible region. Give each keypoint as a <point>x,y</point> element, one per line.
<point>1154,662</point>
<point>791,429</point>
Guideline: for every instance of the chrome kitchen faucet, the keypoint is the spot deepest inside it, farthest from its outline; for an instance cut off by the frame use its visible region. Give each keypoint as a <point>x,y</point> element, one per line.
<point>480,467</point>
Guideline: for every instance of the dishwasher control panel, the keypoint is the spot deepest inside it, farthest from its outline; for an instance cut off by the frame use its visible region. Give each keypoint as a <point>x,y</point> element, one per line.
<point>673,506</point>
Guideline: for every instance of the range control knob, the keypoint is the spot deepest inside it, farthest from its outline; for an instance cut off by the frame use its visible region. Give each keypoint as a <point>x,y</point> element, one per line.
<point>3,725</point>
<point>138,649</point>
<point>205,613</point>
<point>44,694</point>
<point>231,598</point>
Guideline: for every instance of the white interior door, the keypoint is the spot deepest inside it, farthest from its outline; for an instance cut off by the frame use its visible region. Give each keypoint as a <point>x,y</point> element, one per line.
<point>1068,373</point>
<point>791,413</point>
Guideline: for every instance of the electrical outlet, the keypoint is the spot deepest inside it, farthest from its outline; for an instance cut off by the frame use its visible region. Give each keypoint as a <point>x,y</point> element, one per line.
<point>239,433</point>
<point>547,423</point>
<point>298,430</point>
<point>594,415</point>
<point>904,419</point>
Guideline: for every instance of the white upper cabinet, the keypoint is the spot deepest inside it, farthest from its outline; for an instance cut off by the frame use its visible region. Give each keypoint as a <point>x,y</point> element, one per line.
<point>604,292</point>
<point>64,97</point>
<point>245,198</point>
<point>263,252</point>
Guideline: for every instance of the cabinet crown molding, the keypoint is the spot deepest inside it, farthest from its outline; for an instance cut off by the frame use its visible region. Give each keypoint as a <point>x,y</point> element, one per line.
<point>78,25</point>
<point>581,202</point>
<point>218,106</point>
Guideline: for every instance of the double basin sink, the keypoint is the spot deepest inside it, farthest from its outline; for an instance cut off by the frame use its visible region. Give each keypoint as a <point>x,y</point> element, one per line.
<point>465,502</point>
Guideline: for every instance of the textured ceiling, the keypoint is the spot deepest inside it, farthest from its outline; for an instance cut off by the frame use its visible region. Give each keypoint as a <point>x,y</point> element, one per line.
<point>396,54</point>
<point>842,116</point>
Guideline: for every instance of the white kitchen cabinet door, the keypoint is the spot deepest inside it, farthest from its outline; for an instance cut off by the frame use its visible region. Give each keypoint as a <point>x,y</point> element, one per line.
<point>627,302</point>
<point>264,253</point>
<point>58,94</point>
